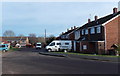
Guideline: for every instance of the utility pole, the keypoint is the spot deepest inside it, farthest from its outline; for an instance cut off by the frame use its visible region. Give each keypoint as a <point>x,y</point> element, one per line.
<point>45,36</point>
<point>90,16</point>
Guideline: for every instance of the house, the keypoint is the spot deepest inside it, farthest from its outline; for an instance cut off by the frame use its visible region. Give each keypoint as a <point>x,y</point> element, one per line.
<point>99,35</point>
<point>69,35</point>
<point>14,40</point>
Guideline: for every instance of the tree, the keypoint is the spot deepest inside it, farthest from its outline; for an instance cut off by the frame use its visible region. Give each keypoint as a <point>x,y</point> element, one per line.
<point>21,35</point>
<point>8,33</point>
<point>32,35</point>
<point>32,38</point>
<point>50,39</point>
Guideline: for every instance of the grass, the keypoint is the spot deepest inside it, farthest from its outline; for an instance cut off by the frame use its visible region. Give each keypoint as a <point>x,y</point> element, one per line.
<point>14,49</point>
<point>85,54</point>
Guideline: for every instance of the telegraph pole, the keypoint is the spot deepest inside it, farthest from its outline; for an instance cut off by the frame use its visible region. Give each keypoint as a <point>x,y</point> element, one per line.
<point>45,36</point>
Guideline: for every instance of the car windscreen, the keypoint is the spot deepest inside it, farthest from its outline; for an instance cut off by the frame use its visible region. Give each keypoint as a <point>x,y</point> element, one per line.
<point>2,45</point>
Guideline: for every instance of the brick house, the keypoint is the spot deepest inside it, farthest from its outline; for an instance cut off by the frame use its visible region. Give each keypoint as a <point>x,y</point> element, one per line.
<point>99,35</point>
<point>69,35</point>
<point>14,40</point>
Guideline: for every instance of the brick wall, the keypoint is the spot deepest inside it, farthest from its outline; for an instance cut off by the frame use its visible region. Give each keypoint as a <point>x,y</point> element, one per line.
<point>111,33</point>
<point>71,36</point>
<point>119,30</point>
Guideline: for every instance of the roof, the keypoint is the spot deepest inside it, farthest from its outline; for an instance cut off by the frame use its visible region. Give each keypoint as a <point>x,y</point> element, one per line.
<point>95,23</point>
<point>100,20</point>
<point>69,31</point>
<point>13,38</point>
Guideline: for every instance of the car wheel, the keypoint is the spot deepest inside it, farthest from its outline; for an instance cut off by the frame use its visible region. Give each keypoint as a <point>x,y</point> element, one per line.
<point>49,50</point>
<point>4,50</point>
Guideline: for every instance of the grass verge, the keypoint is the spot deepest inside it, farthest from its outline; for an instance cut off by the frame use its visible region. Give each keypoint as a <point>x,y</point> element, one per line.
<point>14,49</point>
<point>85,54</point>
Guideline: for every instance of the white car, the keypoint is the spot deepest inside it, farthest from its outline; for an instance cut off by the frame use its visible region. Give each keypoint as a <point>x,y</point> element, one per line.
<point>38,45</point>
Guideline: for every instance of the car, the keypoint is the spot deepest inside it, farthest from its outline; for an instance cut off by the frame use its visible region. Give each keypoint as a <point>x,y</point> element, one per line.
<point>4,47</point>
<point>38,45</point>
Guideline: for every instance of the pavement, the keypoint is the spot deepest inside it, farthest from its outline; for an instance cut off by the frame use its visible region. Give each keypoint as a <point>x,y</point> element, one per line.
<point>29,61</point>
<point>100,58</point>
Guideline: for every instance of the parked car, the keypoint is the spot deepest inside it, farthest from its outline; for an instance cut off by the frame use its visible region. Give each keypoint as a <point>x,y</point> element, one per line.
<point>4,47</point>
<point>59,45</point>
<point>38,45</point>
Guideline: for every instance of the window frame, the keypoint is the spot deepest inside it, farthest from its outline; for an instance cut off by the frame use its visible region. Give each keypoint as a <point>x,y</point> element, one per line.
<point>83,31</point>
<point>77,34</point>
<point>86,31</point>
<point>92,30</point>
<point>98,29</point>
<point>84,47</point>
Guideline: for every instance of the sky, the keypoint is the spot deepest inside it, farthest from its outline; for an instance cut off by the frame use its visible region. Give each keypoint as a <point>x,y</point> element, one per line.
<point>55,17</point>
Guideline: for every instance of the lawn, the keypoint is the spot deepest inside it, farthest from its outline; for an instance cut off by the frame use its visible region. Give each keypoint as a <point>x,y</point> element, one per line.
<point>14,49</point>
<point>85,54</point>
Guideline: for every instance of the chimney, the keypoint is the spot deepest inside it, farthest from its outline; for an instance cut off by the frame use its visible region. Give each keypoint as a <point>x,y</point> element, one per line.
<point>115,10</point>
<point>71,28</point>
<point>74,27</point>
<point>89,20</point>
<point>96,17</point>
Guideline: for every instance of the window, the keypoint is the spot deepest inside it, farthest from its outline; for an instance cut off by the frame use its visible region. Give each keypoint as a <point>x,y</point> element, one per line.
<point>98,29</point>
<point>52,44</point>
<point>77,34</point>
<point>58,43</point>
<point>86,31</point>
<point>82,32</point>
<point>92,30</point>
<point>84,47</point>
<point>66,43</point>
<point>38,44</point>
<point>67,36</point>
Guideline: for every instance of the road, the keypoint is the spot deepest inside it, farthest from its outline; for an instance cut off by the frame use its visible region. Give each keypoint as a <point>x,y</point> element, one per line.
<point>29,61</point>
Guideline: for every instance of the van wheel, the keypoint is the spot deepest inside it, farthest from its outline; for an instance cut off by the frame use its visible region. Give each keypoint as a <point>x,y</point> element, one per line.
<point>58,49</point>
<point>49,50</point>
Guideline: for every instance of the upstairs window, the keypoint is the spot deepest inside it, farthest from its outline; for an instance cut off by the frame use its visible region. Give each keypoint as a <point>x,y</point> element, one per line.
<point>92,30</point>
<point>77,34</point>
<point>82,32</point>
<point>67,36</point>
<point>86,31</point>
<point>98,29</point>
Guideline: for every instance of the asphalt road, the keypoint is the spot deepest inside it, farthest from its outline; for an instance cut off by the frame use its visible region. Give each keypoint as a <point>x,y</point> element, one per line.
<point>29,61</point>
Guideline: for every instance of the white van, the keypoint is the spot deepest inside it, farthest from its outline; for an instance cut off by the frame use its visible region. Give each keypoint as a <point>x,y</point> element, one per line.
<point>59,45</point>
<point>38,45</point>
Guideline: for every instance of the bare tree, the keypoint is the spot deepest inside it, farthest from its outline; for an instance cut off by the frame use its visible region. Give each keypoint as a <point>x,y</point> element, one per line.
<point>50,39</point>
<point>32,38</point>
<point>32,35</point>
<point>8,33</point>
<point>21,35</point>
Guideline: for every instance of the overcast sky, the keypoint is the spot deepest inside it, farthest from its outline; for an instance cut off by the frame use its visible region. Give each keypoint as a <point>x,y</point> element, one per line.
<point>55,17</point>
